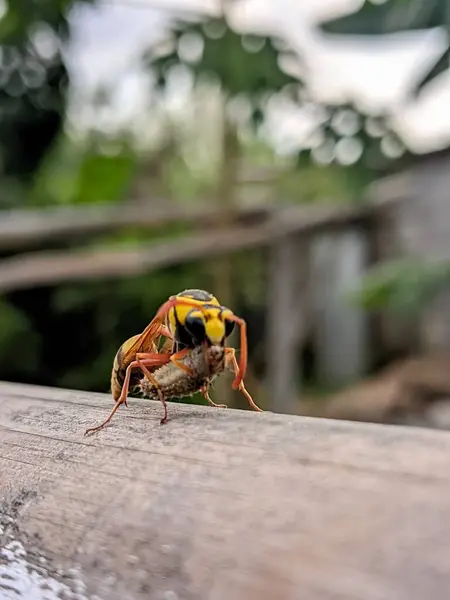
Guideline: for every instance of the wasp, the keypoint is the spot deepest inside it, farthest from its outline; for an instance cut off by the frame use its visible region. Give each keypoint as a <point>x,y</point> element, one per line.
<point>196,327</point>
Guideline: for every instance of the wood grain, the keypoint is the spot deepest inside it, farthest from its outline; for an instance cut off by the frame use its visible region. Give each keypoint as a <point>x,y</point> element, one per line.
<point>219,504</point>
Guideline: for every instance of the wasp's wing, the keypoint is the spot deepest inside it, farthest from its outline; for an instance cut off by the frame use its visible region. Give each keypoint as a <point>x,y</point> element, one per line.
<point>167,347</point>
<point>156,328</point>
<point>147,339</point>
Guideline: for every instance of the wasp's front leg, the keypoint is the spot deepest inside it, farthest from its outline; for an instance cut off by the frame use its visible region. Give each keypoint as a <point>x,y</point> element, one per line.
<point>175,359</point>
<point>230,361</point>
<point>204,390</point>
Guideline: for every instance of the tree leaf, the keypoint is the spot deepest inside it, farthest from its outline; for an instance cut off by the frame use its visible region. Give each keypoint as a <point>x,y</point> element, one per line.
<point>247,65</point>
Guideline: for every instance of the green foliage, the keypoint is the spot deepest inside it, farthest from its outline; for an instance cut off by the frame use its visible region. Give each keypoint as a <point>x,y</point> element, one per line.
<point>104,178</point>
<point>22,15</point>
<point>361,147</point>
<point>83,174</point>
<point>56,179</point>
<point>19,343</point>
<point>300,179</point>
<point>391,16</point>
<point>249,270</point>
<point>377,18</point>
<point>243,65</point>
<point>33,84</point>
<point>182,183</point>
<point>404,286</point>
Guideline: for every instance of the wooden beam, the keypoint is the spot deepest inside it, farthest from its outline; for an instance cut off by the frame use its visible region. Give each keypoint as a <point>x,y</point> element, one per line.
<point>54,267</point>
<point>51,268</point>
<point>22,228</point>
<point>217,504</point>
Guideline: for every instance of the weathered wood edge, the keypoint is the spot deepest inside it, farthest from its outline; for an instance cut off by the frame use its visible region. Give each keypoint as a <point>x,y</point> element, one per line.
<point>218,504</point>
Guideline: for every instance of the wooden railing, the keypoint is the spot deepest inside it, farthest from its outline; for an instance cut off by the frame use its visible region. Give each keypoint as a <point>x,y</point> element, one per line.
<point>52,267</point>
<point>23,228</point>
<point>216,504</point>
<point>287,232</point>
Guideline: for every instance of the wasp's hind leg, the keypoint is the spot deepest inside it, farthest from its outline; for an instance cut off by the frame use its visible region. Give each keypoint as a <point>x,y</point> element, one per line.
<point>157,388</point>
<point>150,361</point>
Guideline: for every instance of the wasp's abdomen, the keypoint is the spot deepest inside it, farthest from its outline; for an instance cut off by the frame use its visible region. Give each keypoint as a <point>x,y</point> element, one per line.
<point>117,375</point>
<point>120,368</point>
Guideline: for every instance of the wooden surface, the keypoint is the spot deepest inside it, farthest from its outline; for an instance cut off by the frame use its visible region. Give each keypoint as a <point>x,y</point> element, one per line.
<point>216,505</point>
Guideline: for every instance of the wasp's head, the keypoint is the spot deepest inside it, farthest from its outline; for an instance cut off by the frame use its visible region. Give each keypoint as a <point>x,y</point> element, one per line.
<point>210,324</point>
<point>195,317</point>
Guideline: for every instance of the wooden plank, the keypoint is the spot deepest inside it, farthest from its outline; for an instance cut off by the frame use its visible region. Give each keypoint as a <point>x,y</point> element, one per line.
<point>217,504</point>
<point>22,228</point>
<point>53,267</point>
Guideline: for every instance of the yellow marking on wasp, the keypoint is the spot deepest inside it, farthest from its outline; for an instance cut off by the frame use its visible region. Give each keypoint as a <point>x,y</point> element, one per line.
<point>214,322</point>
<point>181,310</point>
<point>123,350</point>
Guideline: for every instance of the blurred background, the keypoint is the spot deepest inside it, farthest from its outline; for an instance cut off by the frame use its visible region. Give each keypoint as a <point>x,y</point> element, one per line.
<point>290,157</point>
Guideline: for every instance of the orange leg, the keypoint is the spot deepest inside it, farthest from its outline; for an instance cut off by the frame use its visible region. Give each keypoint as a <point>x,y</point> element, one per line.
<point>143,360</point>
<point>204,391</point>
<point>151,361</point>
<point>157,387</point>
<point>240,371</point>
<point>231,358</point>
<point>175,359</point>
<point>166,333</point>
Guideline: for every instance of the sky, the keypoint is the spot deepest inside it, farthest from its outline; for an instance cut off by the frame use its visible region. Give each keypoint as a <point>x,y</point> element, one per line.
<point>375,74</point>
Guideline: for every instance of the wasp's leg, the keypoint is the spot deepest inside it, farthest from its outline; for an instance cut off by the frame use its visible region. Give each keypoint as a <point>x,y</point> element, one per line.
<point>204,391</point>
<point>143,360</point>
<point>175,359</point>
<point>166,332</point>
<point>157,387</point>
<point>240,370</point>
<point>151,361</point>
<point>232,362</point>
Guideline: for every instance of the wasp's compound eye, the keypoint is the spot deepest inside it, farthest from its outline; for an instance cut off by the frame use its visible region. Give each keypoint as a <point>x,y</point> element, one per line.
<point>195,324</point>
<point>229,327</point>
